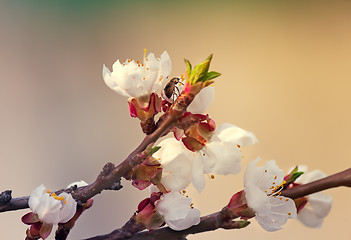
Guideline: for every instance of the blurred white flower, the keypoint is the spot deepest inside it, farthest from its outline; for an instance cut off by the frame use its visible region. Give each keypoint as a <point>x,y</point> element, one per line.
<point>318,204</point>
<point>50,208</point>
<point>177,211</point>
<point>221,155</point>
<point>136,79</point>
<point>262,185</point>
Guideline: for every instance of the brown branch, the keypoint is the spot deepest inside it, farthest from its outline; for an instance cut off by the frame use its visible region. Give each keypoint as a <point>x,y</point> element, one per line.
<point>224,218</point>
<point>15,204</point>
<point>336,180</point>
<point>125,232</point>
<point>109,177</point>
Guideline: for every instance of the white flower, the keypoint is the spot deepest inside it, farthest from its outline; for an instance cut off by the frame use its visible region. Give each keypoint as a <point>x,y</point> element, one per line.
<point>262,186</point>
<point>81,183</point>
<point>177,211</point>
<point>202,100</point>
<point>135,79</point>
<point>318,205</point>
<point>50,208</point>
<point>221,155</point>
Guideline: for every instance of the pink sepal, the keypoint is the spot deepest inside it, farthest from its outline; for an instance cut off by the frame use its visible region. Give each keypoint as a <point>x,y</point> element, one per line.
<point>30,218</point>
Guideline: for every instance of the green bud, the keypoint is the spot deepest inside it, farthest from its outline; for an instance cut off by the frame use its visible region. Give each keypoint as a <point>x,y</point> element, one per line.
<point>188,66</point>
<point>296,175</point>
<point>212,75</point>
<point>154,149</point>
<point>200,72</point>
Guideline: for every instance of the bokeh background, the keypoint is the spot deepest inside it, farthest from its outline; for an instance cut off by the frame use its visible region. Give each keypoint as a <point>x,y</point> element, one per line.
<point>286,76</point>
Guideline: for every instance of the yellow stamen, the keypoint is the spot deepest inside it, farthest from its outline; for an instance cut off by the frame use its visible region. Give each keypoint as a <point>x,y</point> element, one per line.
<point>184,191</point>
<point>212,176</point>
<point>59,198</point>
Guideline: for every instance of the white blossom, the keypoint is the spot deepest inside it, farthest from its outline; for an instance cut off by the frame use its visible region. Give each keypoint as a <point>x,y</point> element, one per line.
<point>50,208</point>
<point>318,205</point>
<point>81,183</point>
<point>136,79</point>
<point>177,211</point>
<point>262,185</point>
<point>221,155</point>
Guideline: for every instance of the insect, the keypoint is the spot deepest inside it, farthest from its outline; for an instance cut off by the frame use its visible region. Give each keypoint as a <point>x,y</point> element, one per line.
<point>171,90</point>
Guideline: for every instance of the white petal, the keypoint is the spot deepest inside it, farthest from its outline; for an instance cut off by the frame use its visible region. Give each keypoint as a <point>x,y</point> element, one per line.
<point>202,100</point>
<point>34,199</point>
<point>257,199</point>
<point>197,173</point>
<point>309,218</point>
<point>193,218</point>
<point>112,82</point>
<point>281,209</point>
<point>79,184</point>
<point>68,209</point>
<point>173,206</point>
<point>320,203</point>
<point>316,209</point>
<point>312,176</point>
<point>227,157</point>
<point>230,133</point>
<point>176,163</point>
<point>49,209</point>
<point>266,178</point>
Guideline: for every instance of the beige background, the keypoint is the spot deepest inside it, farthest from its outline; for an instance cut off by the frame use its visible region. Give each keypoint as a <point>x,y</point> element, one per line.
<point>286,69</point>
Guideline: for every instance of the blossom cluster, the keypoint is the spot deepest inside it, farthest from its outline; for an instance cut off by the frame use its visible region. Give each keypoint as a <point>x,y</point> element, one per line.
<point>198,148</point>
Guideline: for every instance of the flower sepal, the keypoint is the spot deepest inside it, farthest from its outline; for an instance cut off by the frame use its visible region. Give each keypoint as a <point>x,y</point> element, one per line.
<point>37,229</point>
<point>292,176</point>
<point>145,108</point>
<point>146,173</point>
<point>238,206</point>
<point>146,213</point>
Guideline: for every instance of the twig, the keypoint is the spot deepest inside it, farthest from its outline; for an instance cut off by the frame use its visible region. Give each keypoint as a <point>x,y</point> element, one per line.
<point>110,175</point>
<point>224,218</point>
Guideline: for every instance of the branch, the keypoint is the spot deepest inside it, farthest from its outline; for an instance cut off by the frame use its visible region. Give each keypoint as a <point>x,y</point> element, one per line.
<point>224,218</point>
<point>109,177</point>
<point>336,180</point>
<point>125,232</point>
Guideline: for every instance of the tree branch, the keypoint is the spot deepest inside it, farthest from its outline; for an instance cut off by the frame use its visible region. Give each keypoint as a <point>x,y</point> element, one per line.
<point>110,175</point>
<point>336,180</point>
<point>224,218</point>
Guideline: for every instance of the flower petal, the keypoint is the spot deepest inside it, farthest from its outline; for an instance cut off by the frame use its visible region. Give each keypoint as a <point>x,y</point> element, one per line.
<point>192,218</point>
<point>69,208</point>
<point>281,209</point>
<point>34,199</point>
<point>230,133</point>
<point>197,173</point>
<point>227,157</point>
<point>79,184</point>
<point>176,163</point>
<point>266,178</point>
<point>173,206</point>
<point>202,100</point>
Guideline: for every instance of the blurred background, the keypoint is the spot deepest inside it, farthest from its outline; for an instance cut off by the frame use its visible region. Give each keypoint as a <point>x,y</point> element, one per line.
<point>286,76</point>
